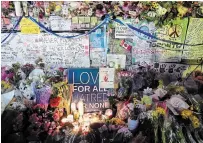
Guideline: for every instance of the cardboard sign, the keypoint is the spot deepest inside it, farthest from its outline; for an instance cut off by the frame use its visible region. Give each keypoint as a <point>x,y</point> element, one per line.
<point>29,27</point>
<point>86,87</point>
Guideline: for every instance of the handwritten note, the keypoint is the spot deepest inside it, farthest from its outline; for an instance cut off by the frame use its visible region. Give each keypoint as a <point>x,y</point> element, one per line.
<point>98,57</point>
<point>29,27</point>
<point>106,77</point>
<point>55,51</point>
<point>58,23</point>
<point>116,61</point>
<point>142,51</point>
<point>194,36</point>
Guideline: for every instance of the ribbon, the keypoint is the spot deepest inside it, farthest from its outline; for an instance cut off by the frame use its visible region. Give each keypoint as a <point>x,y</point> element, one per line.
<point>12,29</point>
<point>152,36</point>
<point>105,21</point>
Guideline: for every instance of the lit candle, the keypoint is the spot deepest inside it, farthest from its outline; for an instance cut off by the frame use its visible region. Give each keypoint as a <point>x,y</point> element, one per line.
<point>64,120</point>
<point>109,113</point>
<point>73,107</point>
<point>80,120</point>
<point>76,115</point>
<point>80,108</point>
<point>76,127</point>
<point>86,117</point>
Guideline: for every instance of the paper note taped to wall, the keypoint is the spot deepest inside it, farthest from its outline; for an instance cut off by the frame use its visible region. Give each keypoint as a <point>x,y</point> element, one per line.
<point>28,27</point>
<point>116,61</point>
<point>106,77</point>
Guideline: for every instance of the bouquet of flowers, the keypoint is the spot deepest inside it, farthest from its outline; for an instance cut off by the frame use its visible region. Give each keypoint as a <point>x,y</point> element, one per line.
<point>43,122</point>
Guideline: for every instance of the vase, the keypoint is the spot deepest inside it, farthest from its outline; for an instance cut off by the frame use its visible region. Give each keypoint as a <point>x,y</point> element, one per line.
<point>132,124</point>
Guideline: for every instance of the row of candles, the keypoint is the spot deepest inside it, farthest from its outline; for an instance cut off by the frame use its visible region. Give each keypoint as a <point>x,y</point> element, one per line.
<point>81,120</point>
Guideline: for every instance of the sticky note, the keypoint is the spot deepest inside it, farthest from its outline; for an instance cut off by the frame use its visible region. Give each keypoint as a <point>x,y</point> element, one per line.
<point>29,27</point>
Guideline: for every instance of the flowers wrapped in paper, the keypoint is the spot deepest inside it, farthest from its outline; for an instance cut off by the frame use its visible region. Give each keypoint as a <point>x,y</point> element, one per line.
<point>42,93</point>
<point>62,95</point>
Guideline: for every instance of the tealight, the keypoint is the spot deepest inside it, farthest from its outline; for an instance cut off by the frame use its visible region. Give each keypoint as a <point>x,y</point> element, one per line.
<point>109,113</point>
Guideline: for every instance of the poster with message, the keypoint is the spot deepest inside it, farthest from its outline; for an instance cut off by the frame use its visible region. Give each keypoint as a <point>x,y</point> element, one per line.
<point>86,87</point>
<point>106,77</point>
<point>98,47</point>
<point>194,36</point>
<point>123,32</point>
<point>116,47</point>
<point>142,52</point>
<point>175,32</point>
<point>98,38</point>
<point>57,51</point>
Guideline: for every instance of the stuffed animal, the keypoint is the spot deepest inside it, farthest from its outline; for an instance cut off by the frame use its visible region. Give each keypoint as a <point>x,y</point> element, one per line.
<point>26,90</point>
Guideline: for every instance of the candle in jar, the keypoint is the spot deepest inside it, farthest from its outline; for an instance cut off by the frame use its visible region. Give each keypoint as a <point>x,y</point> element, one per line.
<point>80,108</point>
<point>76,115</point>
<point>76,127</point>
<point>109,113</point>
<point>64,120</point>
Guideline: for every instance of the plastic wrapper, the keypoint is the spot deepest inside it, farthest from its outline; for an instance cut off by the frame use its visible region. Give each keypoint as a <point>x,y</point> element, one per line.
<point>191,85</point>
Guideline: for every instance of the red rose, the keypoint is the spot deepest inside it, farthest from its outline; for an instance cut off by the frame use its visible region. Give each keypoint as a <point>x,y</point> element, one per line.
<point>54,102</point>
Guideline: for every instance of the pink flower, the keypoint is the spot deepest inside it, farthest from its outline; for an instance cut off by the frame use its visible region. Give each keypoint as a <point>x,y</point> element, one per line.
<point>5,4</point>
<point>47,125</point>
<point>33,118</point>
<point>56,117</point>
<point>61,69</point>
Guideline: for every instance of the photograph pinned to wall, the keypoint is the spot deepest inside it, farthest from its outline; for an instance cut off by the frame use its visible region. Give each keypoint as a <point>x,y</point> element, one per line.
<point>116,61</point>
<point>106,77</point>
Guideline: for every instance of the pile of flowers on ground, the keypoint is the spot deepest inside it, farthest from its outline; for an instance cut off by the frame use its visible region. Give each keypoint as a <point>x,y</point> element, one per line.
<point>37,107</point>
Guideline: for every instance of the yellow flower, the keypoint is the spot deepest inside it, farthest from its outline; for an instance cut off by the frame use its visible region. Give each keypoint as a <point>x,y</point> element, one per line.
<point>160,111</point>
<point>186,113</point>
<point>5,85</point>
<point>117,121</point>
<point>154,114</point>
<point>195,121</point>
